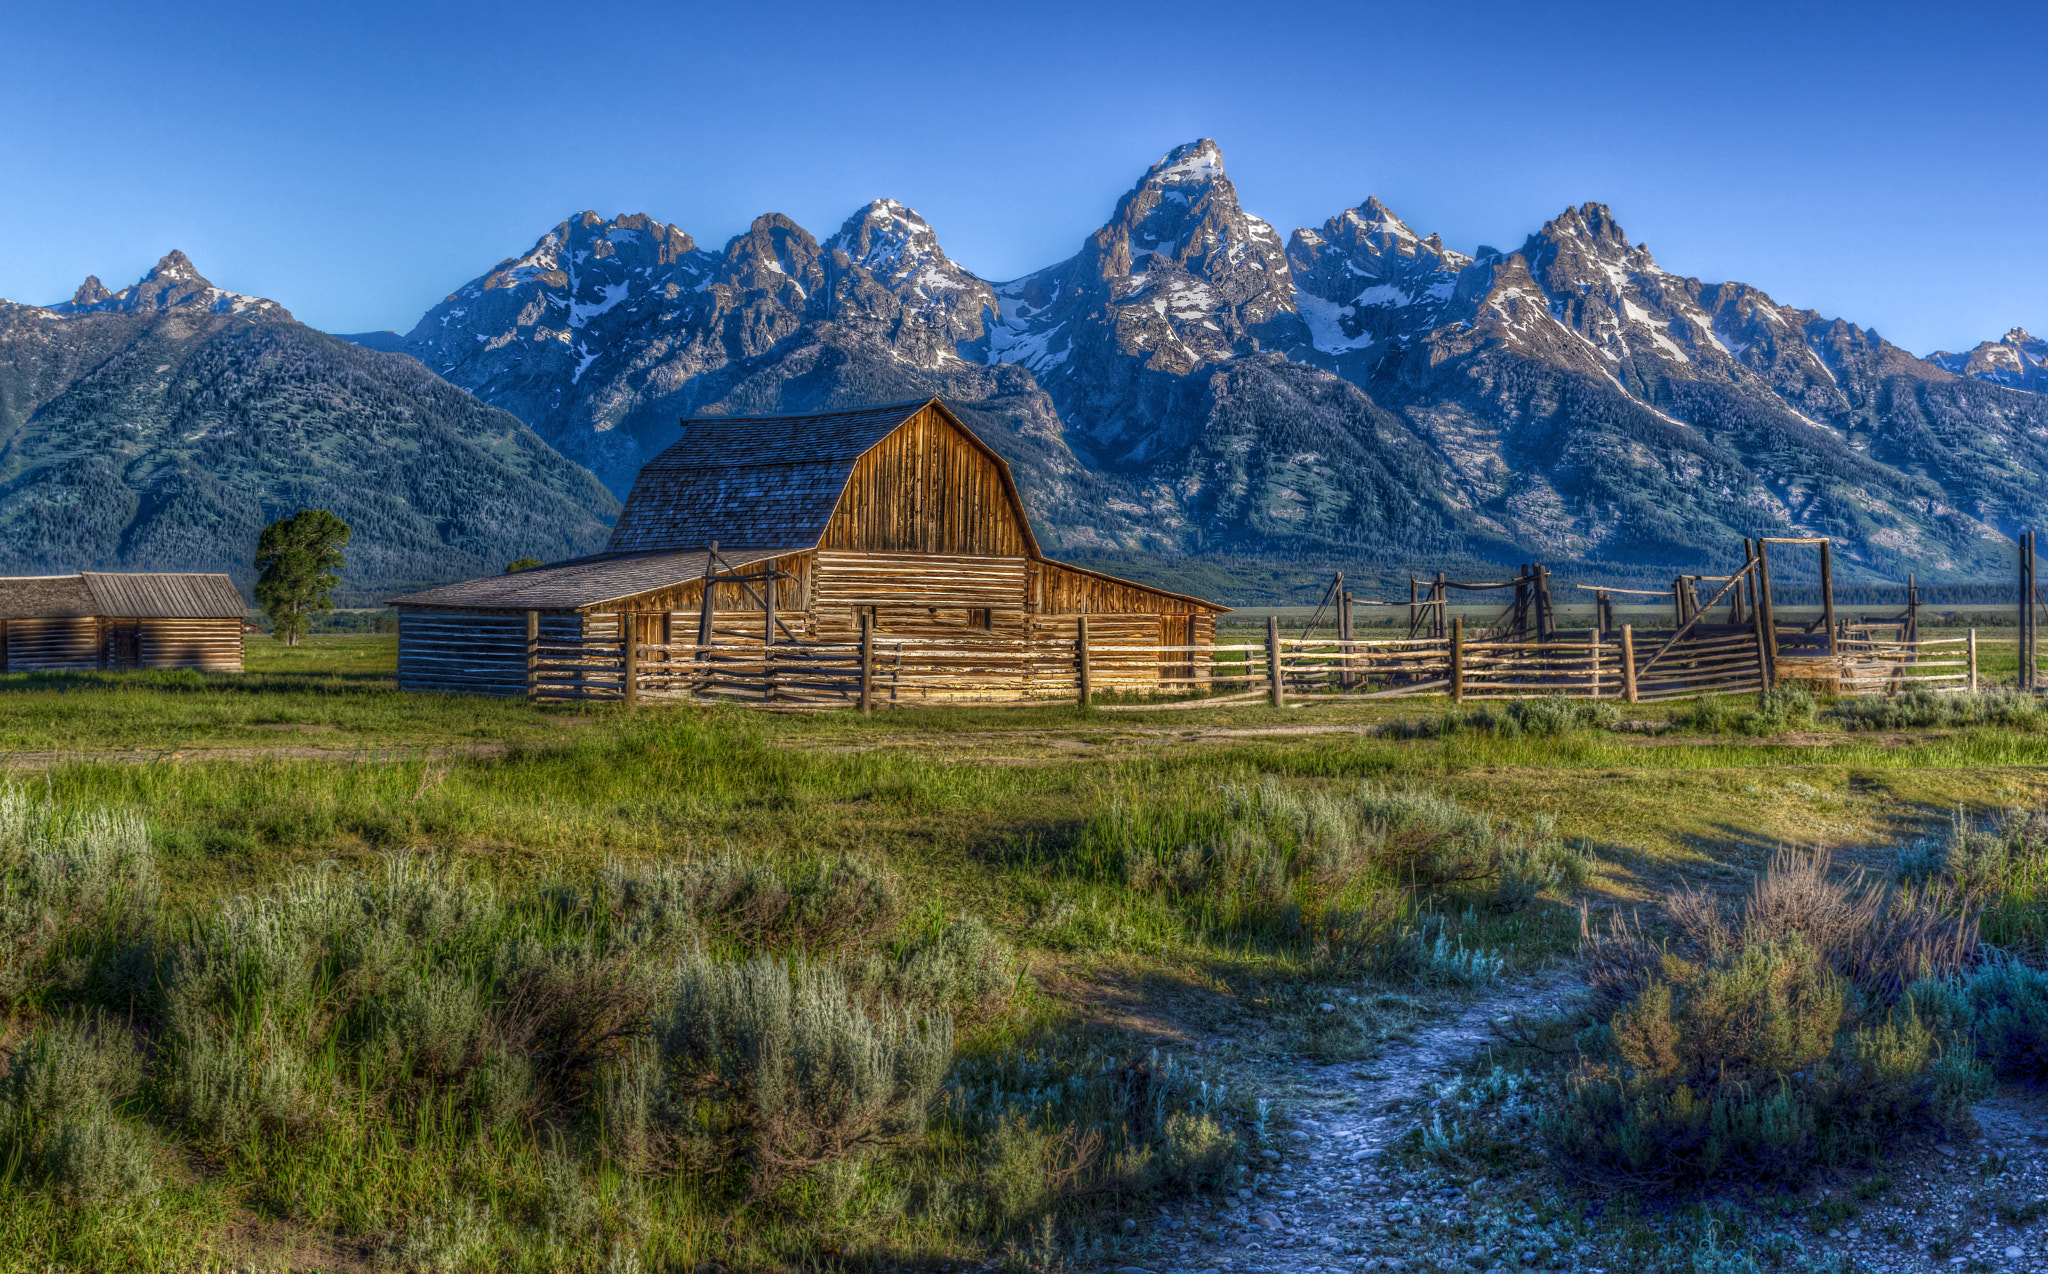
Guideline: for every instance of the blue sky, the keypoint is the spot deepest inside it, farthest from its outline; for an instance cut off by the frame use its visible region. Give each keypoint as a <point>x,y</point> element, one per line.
<point>1877,162</point>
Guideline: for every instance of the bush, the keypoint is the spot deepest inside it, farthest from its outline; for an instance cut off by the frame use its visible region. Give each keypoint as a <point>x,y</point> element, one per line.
<point>1924,709</point>
<point>1546,717</point>
<point>2009,1012</point>
<point>819,905</point>
<point>57,1113</point>
<point>1815,1028</point>
<point>962,967</point>
<point>1777,711</point>
<point>773,1065</point>
<point>74,888</point>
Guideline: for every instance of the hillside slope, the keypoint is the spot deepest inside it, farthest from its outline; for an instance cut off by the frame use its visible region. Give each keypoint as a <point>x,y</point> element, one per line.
<point>163,426</point>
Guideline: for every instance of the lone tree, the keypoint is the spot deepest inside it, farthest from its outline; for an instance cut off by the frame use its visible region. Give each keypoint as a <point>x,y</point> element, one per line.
<point>519,564</point>
<point>300,561</point>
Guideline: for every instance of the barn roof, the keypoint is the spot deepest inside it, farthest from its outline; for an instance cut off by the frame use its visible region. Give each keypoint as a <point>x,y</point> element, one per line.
<point>588,581</point>
<point>152,595</point>
<point>762,479</point>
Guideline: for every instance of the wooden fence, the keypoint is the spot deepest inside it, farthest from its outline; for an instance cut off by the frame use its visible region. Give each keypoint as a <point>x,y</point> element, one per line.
<point>1638,667</point>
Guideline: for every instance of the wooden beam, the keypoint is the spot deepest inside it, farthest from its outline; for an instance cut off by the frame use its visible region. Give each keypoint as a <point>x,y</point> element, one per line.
<point>1628,662</point>
<point>1458,660</point>
<point>1827,595</point>
<point>867,662</point>
<point>1081,655</point>
<point>1973,661</point>
<point>1273,685</point>
<point>1766,620</point>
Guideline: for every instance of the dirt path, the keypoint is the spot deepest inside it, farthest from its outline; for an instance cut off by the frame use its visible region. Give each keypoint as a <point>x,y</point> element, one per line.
<point>1324,1206</point>
<point>375,753</point>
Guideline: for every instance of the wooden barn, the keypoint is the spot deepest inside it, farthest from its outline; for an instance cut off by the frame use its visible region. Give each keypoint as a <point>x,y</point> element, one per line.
<point>105,620</point>
<point>808,530</point>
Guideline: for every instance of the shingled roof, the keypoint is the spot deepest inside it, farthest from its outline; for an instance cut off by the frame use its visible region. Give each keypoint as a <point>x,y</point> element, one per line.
<point>149,595</point>
<point>590,581</point>
<point>755,479</point>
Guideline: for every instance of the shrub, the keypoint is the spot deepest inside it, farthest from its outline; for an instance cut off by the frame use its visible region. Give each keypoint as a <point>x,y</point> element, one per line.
<point>819,905</point>
<point>71,886</point>
<point>795,1073</point>
<point>1776,711</point>
<point>57,1113</point>
<point>1924,709</point>
<point>2009,1010</point>
<point>1546,717</point>
<point>962,967</point>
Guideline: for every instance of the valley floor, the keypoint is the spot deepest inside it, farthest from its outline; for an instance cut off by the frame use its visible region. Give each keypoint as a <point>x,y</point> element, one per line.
<point>1014,816</point>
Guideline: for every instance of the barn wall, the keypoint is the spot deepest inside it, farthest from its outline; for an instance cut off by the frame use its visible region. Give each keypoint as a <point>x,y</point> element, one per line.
<point>1061,590</point>
<point>44,645</point>
<point>926,488</point>
<point>474,652</point>
<point>210,645</point>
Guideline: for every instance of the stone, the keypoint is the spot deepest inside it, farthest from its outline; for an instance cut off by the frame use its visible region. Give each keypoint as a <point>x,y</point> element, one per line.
<point>1266,1220</point>
<point>2011,1253</point>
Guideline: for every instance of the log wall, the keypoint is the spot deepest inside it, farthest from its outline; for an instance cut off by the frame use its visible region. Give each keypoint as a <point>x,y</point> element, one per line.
<point>474,652</point>
<point>49,645</point>
<point>210,645</point>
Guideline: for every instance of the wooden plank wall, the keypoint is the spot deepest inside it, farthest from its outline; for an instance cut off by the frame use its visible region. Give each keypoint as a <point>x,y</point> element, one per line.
<point>926,489</point>
<point>1061,590</point>
<point>47,645</point>
<point>210,645</point>
<point>473,652</point>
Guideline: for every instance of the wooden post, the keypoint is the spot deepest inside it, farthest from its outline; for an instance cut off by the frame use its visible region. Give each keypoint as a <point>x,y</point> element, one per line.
<point>532,655</point>
<point>2026,607</point>
<point>1766,620</point>
<point>867,662</point>
<point>1593,641</point>
<point>1273,661</point>
<point>1628,663</point>
<point>710,594</point>
<point>1344,621</point>
<point>629,651</point>
<point>1441,596</point>
<point>1412,616</point>
<point>1827,594</point>
<point>1458,660</point>
<point>1973,661</point>
<point>1081,653</point>
<point>1522,577</point>
<point>1678,603</point>
<point>1546,611</point>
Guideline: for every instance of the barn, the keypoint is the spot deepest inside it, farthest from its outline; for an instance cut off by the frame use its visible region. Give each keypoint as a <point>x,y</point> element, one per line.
<point>808,531</point>
<point>104,620</point>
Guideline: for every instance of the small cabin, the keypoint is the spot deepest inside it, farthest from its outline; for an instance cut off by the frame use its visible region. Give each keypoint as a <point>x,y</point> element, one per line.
<point>801,526</point>
<point>96,620</point>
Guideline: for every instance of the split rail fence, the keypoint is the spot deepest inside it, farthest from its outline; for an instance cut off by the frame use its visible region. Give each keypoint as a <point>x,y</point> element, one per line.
<point>885,670</point>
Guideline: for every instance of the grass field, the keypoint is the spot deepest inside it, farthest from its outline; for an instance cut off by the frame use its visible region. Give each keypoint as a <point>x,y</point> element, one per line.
<point>1065,831</point>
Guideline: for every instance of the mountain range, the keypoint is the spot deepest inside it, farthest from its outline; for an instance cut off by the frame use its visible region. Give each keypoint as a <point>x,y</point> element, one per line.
<point>1191,383</point>
<point>1189,389</point>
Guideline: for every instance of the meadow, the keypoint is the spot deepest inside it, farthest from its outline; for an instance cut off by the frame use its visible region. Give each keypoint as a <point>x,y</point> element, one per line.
<point>300,972</point>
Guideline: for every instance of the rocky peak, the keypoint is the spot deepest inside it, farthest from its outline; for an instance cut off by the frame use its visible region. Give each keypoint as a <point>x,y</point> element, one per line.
<point>1365,277</point>
<point>172,283</point>
<point>888,273</point>
<point>2018,359</point>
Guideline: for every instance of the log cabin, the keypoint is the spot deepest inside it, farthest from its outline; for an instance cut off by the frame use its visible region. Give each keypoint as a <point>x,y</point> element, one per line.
<point>801,526</point>
<point>105,620</point>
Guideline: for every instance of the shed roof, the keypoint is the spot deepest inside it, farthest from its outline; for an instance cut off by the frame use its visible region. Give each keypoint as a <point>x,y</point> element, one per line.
<point>761,479</point>
<point>588,581</point>
<point>143,595</point>
<point>165,595</point>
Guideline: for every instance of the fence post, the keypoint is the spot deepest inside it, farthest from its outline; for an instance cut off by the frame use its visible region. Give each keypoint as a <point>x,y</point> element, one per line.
<point>532,655</point>
<point>1973,661</point>
<point>1827,595</point>
<point>1273,661</point>
<point>1593,641</point>
<point>1081,653</point>
<point>867,662</point>
<point>1458,660</point>
<point>1628,662</point>
<point>1766,618</point>
<point>629,643</point>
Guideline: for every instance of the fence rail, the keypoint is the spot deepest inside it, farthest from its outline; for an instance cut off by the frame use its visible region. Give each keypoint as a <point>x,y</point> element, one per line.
<point>1639,667</point>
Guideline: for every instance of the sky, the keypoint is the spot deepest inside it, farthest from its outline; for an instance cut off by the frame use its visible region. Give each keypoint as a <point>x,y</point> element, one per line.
<point>1880,163</point>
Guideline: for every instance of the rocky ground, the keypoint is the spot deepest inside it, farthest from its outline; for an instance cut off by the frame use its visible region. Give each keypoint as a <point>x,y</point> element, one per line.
<point>1347,1199</point>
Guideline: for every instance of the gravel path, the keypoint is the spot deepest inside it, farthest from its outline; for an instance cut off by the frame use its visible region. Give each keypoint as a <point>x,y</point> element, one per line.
<point>1324,1207</point>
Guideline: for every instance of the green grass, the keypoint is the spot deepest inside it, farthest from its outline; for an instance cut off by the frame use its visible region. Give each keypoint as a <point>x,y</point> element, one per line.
<point>1013,815</point>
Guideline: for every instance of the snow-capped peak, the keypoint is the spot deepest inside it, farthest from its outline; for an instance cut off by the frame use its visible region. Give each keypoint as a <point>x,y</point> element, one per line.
<point>1195,163</point>
<point>172,283</point>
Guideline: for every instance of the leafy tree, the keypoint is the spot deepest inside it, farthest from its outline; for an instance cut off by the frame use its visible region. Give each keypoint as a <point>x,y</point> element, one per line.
<point>300,561</point>
<point>521,564</point>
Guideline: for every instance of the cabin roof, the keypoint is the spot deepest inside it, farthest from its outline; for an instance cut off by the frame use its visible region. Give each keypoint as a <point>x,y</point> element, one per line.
<point>765,479</point>
<point>589,581</point>
<point>147,595</point>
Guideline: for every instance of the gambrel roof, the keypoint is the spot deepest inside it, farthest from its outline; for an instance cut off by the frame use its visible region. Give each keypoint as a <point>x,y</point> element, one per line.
<point>765,479</point>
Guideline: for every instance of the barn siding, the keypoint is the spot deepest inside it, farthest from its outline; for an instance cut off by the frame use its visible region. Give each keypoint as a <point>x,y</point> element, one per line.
<point>48,645</point>
<point>210,645</point>
<point>927,488</point>
<point>475,652</point>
